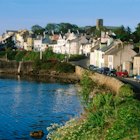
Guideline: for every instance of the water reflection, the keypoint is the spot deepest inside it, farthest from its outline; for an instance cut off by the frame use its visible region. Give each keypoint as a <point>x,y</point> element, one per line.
<point>26,106</point>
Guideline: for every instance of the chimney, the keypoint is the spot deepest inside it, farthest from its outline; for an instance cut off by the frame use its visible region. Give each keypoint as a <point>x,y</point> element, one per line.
<point>44,34</point>
<point>69,31</point>
<point>52,32</point>
<point>78,32</point>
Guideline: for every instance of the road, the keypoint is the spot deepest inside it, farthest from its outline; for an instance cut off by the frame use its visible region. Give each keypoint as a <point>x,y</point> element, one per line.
<point>135,85</point>
<point>83,63</point>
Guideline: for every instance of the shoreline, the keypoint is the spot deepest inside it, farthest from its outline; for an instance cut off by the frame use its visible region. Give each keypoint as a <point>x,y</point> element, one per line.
<point>43,77</point>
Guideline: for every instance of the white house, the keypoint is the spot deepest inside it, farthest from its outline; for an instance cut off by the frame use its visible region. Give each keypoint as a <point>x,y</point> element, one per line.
<point>37,44</point>
<point>72,44</point>
<point>97,58</point>
<point>97,55</point>
<point>85,49</point>
<point>60,46</point>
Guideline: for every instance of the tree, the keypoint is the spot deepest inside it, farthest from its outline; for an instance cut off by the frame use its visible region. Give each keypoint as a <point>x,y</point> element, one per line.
<point>124,34</point>
<point>52,27</point>
<point>136,34</point>
<point>37,30</point>
<point>64,27</point>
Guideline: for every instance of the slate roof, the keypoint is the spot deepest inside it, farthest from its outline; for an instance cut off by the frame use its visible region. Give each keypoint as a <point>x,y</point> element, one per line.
<point>46,41</point>
<point>104,49</point>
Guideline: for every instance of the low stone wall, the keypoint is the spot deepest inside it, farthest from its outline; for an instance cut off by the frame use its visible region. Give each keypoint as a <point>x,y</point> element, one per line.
<point>111,82</point>
<point>13,67</point>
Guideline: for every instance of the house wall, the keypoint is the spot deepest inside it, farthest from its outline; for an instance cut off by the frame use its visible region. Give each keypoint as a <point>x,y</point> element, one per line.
<point>136,66</point>
<point>85,49</point>
<point>110,61</point>
<point>20,41</point>
<point>105,60</point>
<point>92,59</point>
<point>124,55</point>
<point>30,42</point>
<point>101,59</point>
<point>56,49</point>
<point>37,45</point>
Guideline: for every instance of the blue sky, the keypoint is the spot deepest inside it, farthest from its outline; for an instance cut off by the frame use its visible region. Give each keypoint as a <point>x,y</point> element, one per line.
<point>22,14</point>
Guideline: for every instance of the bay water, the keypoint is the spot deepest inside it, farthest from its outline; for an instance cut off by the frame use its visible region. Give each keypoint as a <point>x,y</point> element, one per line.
<point>27,106</point>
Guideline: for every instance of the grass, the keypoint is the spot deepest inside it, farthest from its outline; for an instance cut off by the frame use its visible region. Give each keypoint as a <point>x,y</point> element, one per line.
<point>107,116</point>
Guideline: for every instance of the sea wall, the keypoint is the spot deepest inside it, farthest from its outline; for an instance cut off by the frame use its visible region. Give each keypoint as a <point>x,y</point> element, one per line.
<point>13,67</point>
<point>111,82</point>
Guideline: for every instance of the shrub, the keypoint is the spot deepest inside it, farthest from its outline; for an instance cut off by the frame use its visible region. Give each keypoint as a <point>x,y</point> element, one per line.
<point>64,67</point>
<point>2,53</point>
<point>126,91</point>
<point>20,55</point>
<point>11,55</point>
<point>86,84</point>
<point>76,57</point>
<point>31,56</point>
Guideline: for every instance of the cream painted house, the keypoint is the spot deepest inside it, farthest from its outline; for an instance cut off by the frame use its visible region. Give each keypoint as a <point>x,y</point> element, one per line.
<point>136,64</point>
<point>21,38</point>
<point>120,57</point>
<point>117,55</point>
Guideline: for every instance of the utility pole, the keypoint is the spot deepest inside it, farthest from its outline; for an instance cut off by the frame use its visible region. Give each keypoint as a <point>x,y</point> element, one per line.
<point>40,54</point>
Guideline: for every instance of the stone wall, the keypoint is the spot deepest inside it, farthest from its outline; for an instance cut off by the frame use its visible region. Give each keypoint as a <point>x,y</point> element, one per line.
<point>13,67</point>
<point>111,82</point>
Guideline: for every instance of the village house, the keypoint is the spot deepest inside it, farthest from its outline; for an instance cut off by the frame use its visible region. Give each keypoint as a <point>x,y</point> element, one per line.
<point>41,44</point>
<point>72,44</point>
<point>116,55</point>
<point>6,35</point>
<point>21,38</point>
<point>136,64</point>
<point>98,49</point>
<point>60,46</point>
<point>120,57</point>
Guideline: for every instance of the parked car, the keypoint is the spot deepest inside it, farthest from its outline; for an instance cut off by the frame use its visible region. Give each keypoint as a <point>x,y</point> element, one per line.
<point>103,70</point>
<point>137,78</point>
<point>111,72</point>
<point>122,73</point>
<point>93,68</point>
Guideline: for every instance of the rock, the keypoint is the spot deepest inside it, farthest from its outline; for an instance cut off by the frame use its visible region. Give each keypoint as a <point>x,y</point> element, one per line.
<point>37,134</point>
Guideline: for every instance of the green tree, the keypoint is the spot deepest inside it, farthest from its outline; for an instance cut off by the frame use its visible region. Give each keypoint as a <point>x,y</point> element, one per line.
<point>136,34</point>
<point>64,27</point>
<point>52,27</point>
<point>123,33</point>
<point>37,30</point>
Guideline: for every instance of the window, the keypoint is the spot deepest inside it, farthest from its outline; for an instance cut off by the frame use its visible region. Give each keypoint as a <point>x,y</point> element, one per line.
<point>110,58</point>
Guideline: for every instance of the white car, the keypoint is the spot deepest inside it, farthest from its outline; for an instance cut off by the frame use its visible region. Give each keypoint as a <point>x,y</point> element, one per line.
<point>137,78</point>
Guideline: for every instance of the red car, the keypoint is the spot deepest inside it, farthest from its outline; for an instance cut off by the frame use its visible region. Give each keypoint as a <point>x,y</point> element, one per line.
<point>122,73</point>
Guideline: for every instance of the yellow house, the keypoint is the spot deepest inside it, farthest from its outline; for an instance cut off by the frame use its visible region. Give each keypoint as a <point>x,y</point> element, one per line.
<point>29,43</point>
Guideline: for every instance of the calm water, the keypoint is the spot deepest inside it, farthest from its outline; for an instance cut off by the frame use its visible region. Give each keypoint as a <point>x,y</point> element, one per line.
<point>27,106</point>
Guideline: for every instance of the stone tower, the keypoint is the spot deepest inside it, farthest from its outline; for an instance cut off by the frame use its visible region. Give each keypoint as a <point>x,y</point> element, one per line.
<point>99,23</point>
